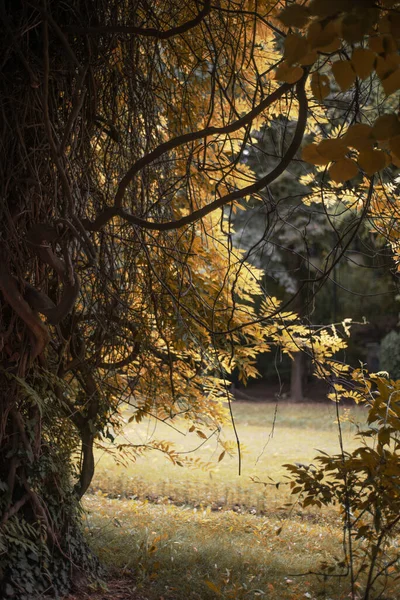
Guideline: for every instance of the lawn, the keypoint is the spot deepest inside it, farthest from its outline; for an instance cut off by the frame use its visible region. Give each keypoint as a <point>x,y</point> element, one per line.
<point>185,533</point>
<point>270,436</point>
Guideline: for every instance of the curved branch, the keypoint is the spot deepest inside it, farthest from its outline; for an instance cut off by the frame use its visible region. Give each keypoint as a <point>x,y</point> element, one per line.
<point>14,298</point>
<point>147,31</point>
<point>192,137</point>
<point>14,509</point>
<point>109,213</point>
<point>39,301</point>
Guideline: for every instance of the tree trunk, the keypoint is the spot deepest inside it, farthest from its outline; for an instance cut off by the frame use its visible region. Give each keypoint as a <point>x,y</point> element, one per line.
<point>296,378</point>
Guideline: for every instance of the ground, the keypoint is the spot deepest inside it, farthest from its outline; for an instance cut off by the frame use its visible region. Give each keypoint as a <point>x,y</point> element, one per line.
<point>117,589</point>
<point>175,533</point>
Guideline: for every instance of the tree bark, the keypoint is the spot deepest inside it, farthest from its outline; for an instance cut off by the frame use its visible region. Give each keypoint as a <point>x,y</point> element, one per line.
<point>296,378</point>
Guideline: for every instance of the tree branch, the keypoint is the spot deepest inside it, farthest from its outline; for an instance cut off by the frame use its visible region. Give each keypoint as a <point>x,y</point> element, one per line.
<point>14,298</point>
<point>146,31</point>
<point>109,213</point>
<point>37,235</point>
<point>192,137</point>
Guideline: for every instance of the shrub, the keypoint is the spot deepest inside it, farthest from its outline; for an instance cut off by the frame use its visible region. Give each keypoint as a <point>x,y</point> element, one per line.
<point>365,485</point>
<point>389,354</point>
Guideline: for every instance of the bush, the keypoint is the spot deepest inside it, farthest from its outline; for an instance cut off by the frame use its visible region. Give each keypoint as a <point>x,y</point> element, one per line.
<point>365,485</point>
<point>389,354</point>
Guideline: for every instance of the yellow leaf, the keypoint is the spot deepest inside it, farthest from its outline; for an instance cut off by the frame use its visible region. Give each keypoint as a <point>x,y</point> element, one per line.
<point>343,170</point>
<point>288,74</point>
<point>310,154</point>
<point>395,160</point>
<point>395,145</point>
<point>392,83</point>
<point>389,44</point>
<point>320,37</point>
<point>386,65</point>
<point>384,25</point>
<point>332,149</point>
<point>354,28</point>
<point>394,20</point>
<point>344,74</point>
<point>296,47</point>
<point>327,8</point>
<point>308,59</point>
<point>320,86</point>
<point>294,16</point>
<point>386,126</point>
<point>214,588</point>
<point>332,47</point>
<point>372,161</point>
<point>377,44</point>
<point>359,136</point>
<point>363,61</point>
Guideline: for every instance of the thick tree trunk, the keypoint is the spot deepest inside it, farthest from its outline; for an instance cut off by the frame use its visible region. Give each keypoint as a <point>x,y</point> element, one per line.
<point>41,542</point>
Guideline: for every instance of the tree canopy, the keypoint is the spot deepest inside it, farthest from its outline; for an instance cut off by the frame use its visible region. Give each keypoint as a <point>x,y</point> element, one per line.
<point>125,126</point>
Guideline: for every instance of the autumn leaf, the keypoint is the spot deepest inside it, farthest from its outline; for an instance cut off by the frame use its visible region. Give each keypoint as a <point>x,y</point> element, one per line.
<point>296,47</point>
<point>362,61</point>
<point>214,588</point>
<point>311,154</point>
<point>353,28</point>
<point>372,161</point>
<point>287,73</point>
<point>321,37</point>
<point>395,146</point>
<point>344,74</point>
<point>359,136</point>
<point>327,8</point>
<point>295,15</point>
<point>332,149</point>
<point>343,170</point>
<point>386,126</point>
<point>391,83</point>
<point>320,86</point>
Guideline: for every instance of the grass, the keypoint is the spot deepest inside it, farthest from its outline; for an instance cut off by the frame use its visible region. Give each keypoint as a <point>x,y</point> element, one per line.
<point>170,528</point>
<point>186,553</point>
<point>270,436</point>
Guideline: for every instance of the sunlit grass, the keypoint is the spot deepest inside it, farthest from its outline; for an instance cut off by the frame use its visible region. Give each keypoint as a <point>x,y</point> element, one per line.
<point>172,529</point>
<point>270,436</point>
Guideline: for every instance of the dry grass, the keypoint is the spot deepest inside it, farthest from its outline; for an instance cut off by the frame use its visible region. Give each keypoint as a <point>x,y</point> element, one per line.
<point>268,440</point>
<point>185,553</point>
<point>169,532</point>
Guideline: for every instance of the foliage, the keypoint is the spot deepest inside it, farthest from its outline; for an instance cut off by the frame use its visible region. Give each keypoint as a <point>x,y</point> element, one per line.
<point>364,483</point>
<point>389,354</point>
